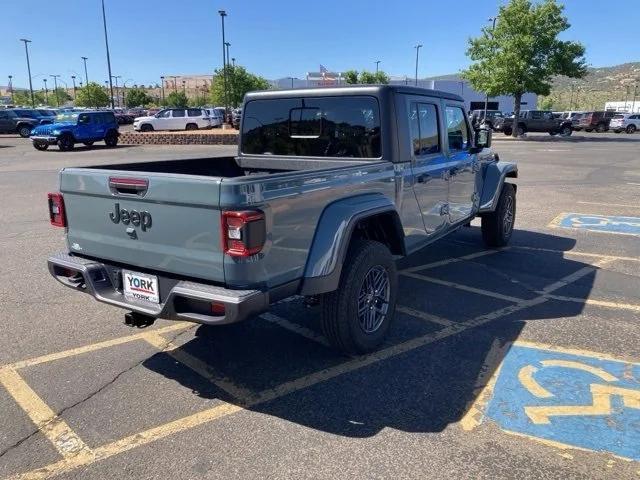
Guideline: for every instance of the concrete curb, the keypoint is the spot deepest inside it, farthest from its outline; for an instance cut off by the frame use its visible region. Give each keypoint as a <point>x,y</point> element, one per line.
<point>178,138</point>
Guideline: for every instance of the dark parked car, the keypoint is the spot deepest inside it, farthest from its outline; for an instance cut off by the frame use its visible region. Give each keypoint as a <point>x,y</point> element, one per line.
<point>11,122</point>
<point>77,127</point>
<point>534,121</point>
<point>35,114</point>
<point>477,116</point>
<point>598,121</point>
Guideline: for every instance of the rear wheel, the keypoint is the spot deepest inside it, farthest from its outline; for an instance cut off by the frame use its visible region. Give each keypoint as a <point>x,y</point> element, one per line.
<point>191,126</point>
<point>24,131</point>
<point>566,131</point>
<point>146,128</point>
<point>66,142</point>
<point>111,139</point>
<point>88,144</point>
<point>497,226</point>
<point>507,131</point>
<point>601,128</point>
<point>521,130</point>
<point>356,317</point>
<point>40,146</point>
<point>617,131</point>
<point>588,129</point>
<point>631,129</point>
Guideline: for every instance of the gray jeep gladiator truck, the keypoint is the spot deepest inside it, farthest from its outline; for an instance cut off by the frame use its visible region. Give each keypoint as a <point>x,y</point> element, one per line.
<point>535,121</point>
<point>328,188</point>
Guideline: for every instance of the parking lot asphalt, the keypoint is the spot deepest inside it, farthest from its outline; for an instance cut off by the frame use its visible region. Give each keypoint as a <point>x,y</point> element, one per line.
<point>520,362</point>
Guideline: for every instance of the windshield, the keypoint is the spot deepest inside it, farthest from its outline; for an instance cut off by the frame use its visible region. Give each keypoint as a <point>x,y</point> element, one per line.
<point>313,127</point>
<point>618,116</point>
<point>67,117</point>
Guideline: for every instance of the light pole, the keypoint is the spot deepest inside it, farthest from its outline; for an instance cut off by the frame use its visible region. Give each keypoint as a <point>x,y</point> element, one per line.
<point>377,62</point>
<point>184,87</point>
<point>233,60</point>
<point>486,98</point>
<point>46,91</point>
<point>26,51</point>
<point>73,79</point>
<point>162,87</point>
<point>417,47</point>
<point>635,93</point>
<point>55,88</point>
<point>224,63</point>
<point>86,76</point>
<point>117,94</point>
<point>175,83</point>
<point>11,87</point>
<point>106,42</point>
<point>124,91</point>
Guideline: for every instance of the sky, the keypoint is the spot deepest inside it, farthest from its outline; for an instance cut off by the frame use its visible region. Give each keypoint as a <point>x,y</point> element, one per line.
<point>275,39</point>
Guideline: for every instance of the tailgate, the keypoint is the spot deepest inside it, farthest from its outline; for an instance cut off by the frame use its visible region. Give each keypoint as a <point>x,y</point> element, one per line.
<point>157,221</point>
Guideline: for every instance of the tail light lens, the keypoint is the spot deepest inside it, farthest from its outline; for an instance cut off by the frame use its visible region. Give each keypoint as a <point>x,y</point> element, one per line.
<point>56,210</point>
<point>243,233</point>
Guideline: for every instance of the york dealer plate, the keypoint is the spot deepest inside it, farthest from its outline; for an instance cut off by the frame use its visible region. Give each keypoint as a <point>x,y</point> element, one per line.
<point>139,286</point>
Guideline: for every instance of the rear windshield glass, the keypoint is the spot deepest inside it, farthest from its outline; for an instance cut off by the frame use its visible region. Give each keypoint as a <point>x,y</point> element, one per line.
<point>618,116</point>
<point>67,117</point>
<point>313,127</point>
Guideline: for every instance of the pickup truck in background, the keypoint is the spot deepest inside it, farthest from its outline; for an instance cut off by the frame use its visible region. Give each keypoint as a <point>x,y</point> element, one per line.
<point>534,121</point>
<point>328,188</point>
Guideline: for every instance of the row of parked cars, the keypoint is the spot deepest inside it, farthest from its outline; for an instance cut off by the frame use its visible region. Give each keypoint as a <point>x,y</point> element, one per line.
<point>185,119</point>
<point>23,120</point>
<point>602,121</point>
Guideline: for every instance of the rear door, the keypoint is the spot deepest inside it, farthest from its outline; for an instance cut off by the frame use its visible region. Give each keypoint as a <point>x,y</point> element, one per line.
<point>464,165</point>
<point>148,221</point>
<point>178,119</point>
<point>429,163</point>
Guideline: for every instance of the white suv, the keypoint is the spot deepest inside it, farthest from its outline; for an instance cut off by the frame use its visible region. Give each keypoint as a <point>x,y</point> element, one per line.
<point>629,122</point>
<point>174,119</point>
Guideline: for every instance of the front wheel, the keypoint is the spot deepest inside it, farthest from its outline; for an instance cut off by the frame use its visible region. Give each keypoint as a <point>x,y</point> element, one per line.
<point>507,132</point>
<point>566,131</point>
<point>601,128</point>
<point>66,143</point>
<point>40,146</point>
<point>497,226</point>
<point>88,144</point>
<point>631,129</point>
<point>356,317</point>
<point>24,131</point>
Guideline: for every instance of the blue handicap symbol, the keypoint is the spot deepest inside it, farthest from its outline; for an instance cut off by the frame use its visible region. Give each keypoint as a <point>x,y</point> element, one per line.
<point>577,400</point>
<point>601,223</point>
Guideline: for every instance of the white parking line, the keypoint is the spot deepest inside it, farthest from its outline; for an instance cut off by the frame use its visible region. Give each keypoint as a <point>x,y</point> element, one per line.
<point>425,316</point>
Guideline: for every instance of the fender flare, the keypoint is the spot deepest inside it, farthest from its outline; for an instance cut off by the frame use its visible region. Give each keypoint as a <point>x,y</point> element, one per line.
<point>494,177</point>
<point>333,235</point>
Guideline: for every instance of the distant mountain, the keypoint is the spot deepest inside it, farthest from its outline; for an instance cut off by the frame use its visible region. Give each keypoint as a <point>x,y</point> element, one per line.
<point>591,92</point>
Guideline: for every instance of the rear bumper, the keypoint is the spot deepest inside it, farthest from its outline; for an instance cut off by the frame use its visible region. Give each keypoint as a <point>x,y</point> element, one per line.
<point>185,300</point>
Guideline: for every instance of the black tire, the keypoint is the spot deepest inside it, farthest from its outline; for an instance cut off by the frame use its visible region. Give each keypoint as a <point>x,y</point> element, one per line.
<point>111,139</point>
<point>631,128</point>
<point>341,324</point>
<point>553,134</point>
<point>601,128</point>
<point>40,146</point>
<point>191,126</point>
<point>496,227</point>
<point>566,131</point>
<point>521,130</point>
<point>24,131</point>
<point>507,131</point>
<point>145,127</point>
<point>588,130</point>
<point>617,131</point>
<point>66,142</point>
<point>88,144</point>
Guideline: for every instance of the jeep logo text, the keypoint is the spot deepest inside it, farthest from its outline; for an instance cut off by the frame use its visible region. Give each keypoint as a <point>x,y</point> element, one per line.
<point>138,219</point>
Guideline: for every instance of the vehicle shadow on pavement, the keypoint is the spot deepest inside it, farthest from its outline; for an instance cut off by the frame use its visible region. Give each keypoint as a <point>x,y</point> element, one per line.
<point>85,148</point>
<point>425,377</point>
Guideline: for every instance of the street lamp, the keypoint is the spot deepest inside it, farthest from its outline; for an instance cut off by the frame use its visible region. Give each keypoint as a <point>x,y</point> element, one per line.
<point>377,62</point>
<point>117,94</point>
<point>486,98</point>
<point>635,94</point>
<point>224,62</point>
<point>417,47</point>
<point>11,87</point>
<point>86,76</point>
<point>55,87</point>
<point>73,79</point>
<point>26,50</point>
<point>46,91</point>
<point>106,42</point>
<point>233,60</point>
<point>162,86</point>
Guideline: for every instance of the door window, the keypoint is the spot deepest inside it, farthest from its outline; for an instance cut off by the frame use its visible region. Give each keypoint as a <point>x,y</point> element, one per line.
<point>457,130</point>
<point>194,112</point>
<point>423,125</point>
<point>164,114</point>
<point>178,113</point>
<point>84,119</point>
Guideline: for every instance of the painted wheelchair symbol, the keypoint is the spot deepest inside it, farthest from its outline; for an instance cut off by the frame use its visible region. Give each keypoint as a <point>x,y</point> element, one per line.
<point>584,221</point>
<point>601,393</point>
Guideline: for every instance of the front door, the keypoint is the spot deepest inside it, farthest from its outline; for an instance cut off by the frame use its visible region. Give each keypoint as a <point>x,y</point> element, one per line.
<point>83,130</point>
<point>429,163</point>
<point>463,196</point>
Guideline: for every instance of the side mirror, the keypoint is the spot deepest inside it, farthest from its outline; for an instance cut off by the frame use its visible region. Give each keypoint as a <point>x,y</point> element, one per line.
<point>482,138</point>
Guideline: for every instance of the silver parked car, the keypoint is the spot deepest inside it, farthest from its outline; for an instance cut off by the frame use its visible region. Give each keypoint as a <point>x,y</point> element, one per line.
<point>629,122</point>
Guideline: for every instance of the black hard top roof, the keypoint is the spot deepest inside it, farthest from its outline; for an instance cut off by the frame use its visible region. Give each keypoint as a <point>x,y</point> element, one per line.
<point>351,90</point>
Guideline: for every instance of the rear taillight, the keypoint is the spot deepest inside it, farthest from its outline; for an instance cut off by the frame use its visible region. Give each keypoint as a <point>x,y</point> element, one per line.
<point>243,233</point>
<point>56,210</point>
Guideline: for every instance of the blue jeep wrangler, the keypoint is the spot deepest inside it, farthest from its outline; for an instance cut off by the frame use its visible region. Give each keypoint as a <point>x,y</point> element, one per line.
<point>77,127</point>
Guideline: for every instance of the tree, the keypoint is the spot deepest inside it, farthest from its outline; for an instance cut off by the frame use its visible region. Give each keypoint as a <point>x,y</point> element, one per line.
<point>63,96</point>
<point>523,52</point>
<point>92,95</point>
<point>366,78</point>
<point>176,99</point>
<point>137,97</point>
<point>239,83</point>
